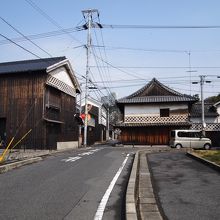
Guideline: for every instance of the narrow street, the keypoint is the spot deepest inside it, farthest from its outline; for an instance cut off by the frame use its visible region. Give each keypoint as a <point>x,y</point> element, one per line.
<point>67,185</point>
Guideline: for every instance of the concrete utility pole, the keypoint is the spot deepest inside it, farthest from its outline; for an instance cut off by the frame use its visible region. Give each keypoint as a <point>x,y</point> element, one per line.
<point>202,81</point>
<point>88,14</point>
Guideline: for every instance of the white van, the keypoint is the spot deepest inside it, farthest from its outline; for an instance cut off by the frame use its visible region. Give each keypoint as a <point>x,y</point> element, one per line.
<point>189,138</point>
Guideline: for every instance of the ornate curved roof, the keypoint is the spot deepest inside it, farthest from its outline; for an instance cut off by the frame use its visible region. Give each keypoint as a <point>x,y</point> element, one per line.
<point>156,92</point>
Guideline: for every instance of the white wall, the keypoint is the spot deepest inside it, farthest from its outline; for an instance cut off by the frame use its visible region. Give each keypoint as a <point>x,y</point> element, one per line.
<point>207,120</point>
<point>62,75</point>
<point>151,110</point>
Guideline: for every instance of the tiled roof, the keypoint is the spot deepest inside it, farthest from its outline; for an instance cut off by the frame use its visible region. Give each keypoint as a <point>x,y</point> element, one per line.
<point>209,110</point>
<point>154,82</point>
<point>155,92</point>
<point>122,124</point>
<point>28,65</point>
<point>155,99</point>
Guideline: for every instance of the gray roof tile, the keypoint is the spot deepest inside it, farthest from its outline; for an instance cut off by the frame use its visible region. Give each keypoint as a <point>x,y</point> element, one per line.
<point>155,92</point>
<point>209,110</point>
<point>28,65</point>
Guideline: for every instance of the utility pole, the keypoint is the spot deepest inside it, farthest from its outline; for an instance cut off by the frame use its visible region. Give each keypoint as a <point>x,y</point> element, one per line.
<point>202,81</point>
<point>107,130</point>
<point>88,14</point>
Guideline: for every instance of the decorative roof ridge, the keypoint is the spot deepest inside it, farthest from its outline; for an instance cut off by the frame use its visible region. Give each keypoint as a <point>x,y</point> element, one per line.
<point>154,80</point>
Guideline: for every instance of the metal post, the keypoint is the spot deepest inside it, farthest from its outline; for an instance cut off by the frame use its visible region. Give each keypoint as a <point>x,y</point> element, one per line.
<point>80,127</point>
<point>202,77</point>
<point>87,14</point>
<point>107,137</point>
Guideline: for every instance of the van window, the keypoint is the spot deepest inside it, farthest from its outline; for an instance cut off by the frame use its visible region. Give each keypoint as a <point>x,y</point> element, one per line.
<point>189,134</point>
<point>182,134</point>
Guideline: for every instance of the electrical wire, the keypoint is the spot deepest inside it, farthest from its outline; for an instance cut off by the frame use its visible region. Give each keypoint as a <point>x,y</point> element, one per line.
<point>23,48</point>
<point>128,26</point>
<point>41,35</point>
<point>50,19</point>
<point>139,49</point>
<point>19,32</point>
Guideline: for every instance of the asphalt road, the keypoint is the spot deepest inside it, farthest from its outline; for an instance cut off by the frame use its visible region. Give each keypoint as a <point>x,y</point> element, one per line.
<point>186,189</point>
<point>68,185</point>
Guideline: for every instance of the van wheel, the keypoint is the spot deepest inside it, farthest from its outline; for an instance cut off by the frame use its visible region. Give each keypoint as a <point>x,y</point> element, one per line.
<point>207,146</point>
<point>178,146</point>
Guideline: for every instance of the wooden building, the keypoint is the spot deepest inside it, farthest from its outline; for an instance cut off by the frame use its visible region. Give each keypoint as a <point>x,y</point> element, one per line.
<point>39,96</point>
<point>152,112</point>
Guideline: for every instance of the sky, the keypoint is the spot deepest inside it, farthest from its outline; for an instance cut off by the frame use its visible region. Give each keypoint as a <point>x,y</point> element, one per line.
<point>122,60</point>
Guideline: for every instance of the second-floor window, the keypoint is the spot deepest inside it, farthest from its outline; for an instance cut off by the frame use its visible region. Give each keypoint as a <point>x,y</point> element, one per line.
<point>164,112</point>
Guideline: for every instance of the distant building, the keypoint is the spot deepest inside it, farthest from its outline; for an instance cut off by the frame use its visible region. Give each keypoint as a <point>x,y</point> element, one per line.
<point>97,121</point>
<point>212,120</point>
<point>39,96</point>
<point>150,113</point>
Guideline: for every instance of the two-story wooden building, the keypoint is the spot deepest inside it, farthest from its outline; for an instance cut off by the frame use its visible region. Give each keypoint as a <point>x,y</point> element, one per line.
<point>152,112</point>
<point>39,96</point>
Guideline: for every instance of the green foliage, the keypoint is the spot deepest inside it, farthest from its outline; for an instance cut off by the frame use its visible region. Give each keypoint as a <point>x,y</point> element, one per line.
<point>211,155</point>
<point>213,99</point>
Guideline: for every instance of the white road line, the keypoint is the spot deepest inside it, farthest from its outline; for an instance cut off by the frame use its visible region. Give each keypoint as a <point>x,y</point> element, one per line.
<point>71,159</point>
<point>101,208</point>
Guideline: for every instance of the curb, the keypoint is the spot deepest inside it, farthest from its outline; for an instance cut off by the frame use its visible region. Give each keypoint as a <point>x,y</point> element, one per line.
<point>147,204</point>
<point>204,161</point>
<point>140,199</point>
<point>131,198</point>
<point>7,167</point>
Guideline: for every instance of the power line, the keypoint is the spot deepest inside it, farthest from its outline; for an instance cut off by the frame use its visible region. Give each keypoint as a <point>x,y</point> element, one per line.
<point>128,26</point>
<point>20,46</point>
<point>41,35</point>
<point>15,29</point>
<point>51,20</point>
<point>99,70</point>
<point>139,49</point>
<point>118,68</point>
<point>161,67</point>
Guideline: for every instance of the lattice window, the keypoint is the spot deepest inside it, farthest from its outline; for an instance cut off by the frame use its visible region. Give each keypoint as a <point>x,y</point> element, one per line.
<point>209,126</point>
<point>156,119</point>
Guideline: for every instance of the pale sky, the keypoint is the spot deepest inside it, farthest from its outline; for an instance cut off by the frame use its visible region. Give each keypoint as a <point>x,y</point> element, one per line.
<point>133,56</point>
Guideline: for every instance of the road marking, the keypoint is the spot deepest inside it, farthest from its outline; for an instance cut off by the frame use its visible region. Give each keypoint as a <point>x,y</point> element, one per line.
<point>102,204</point>
<point>79,156</point>
<point>71,159</point>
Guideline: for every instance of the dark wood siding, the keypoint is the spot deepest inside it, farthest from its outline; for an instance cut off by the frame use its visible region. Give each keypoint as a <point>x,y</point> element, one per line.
<point>26,102</point>
<point>59,112</point>
<point>70,129</point>
<point>146,135</point>
<point>21,105</point>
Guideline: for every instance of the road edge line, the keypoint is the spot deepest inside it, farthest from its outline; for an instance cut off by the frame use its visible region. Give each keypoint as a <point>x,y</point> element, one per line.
<point>102,204</point>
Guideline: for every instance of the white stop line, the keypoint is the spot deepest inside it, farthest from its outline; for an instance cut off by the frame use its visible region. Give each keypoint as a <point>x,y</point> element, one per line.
<point>101,208</point>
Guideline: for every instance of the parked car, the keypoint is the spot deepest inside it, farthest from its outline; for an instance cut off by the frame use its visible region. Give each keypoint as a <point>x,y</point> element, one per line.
<point>189,138</point>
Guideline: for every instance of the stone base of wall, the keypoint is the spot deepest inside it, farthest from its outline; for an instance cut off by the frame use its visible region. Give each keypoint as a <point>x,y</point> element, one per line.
<point>67,145</point>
